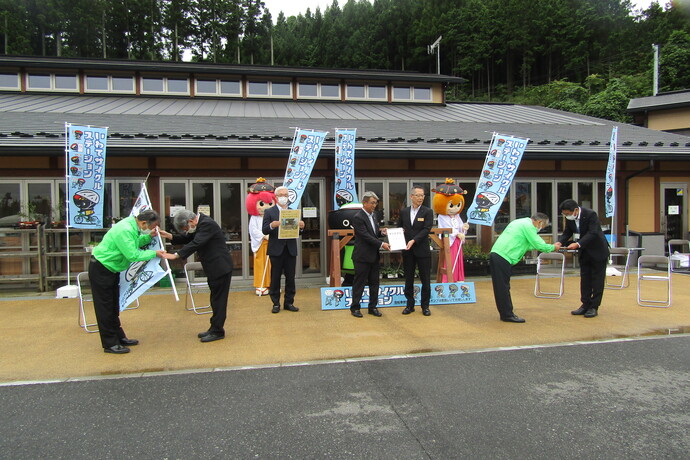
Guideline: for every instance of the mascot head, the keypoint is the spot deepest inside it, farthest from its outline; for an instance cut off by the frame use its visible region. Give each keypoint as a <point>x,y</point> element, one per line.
<point>260,197</point>
<point>449,199</point>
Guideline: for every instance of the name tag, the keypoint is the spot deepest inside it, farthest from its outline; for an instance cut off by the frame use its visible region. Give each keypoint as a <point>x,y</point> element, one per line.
<point>420,219</point>
<point>576,236</point>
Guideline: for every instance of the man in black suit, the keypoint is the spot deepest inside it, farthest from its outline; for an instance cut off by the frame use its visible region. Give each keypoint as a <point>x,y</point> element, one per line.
<point>366,255</point>
<point>283,253</point>
<point>201,234</point>
<point>416,221</point>
<point>584,230</point>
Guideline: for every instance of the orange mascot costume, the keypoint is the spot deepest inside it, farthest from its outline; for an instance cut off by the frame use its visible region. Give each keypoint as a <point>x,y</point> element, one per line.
<point>259,199</point>
<point>448,203</point>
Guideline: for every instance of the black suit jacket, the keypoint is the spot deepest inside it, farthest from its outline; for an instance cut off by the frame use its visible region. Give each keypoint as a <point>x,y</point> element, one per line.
<point>275,244</point>
<point>417,230</point>
<point>593,244</point>
<point>208,241</point>
<point>367,243</point>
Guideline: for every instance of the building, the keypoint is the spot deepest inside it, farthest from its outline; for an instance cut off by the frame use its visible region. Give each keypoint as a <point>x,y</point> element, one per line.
<point>202,133</point>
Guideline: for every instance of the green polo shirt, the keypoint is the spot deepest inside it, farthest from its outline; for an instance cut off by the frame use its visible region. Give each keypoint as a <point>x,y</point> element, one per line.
<point>121,246</point>
<point>519,237</point>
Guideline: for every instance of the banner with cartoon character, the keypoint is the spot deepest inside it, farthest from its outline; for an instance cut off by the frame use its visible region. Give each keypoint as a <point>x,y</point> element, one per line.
<point>344,190</point>
<point>393,295</point>
<point>140,276</point>
<point>305,149</point>
<point>85,157</point>
<point>500,166</point>
<point>610,195</point>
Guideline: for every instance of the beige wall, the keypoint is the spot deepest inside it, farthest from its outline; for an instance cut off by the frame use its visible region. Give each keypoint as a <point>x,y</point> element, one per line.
<point>669,119</point>
<point>642,205</point>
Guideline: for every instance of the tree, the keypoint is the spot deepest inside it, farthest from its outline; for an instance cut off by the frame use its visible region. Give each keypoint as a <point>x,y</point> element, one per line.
<point>675,62</point>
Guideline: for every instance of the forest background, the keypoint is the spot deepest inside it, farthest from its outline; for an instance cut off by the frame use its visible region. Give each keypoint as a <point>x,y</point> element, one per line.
<point>584,56</point>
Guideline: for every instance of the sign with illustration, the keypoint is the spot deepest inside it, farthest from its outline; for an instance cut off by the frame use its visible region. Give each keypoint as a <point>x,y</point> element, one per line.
<point>344,189</point>
<point>610,195</point>
<point>85,165</point>
<point>305,149</point>
<point>393,295</point>
<point>500,167</point>
<point>140,276</point>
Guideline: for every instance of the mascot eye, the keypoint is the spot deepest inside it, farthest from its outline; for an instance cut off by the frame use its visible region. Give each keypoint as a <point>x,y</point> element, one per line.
<point>261,203</point>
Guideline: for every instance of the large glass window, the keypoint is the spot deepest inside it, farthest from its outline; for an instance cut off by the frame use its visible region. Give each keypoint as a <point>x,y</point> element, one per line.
<point>401,93</point>
<point>128,192</point>
<point>230,87</point>
<point>564,191</point>
<point>585,194</point>
<point>202,198</point>
<point>206,86</point>
<point>377,92</point>
<point>308,90</point>
<point>258,88</point>
<point>330,91</point>
<point>231,209</point>
<point>178,85</point>
<point>9,80</point>
<point>523,199</point>
<point>152,85</point>
<point>66,82</point>
<point>174,196</point>
<point>422,94</point>
<point>39,81</point>
<point>123,84</point>
<point>39,206</point>
<point>9,204</point>
<point>96,83</point>
<point>281,88</point>
<point>355,91</point>
<point>397,199</point>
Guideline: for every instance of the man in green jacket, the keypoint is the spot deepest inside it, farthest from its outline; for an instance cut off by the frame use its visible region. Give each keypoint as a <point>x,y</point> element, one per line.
<point>120,247</point>
<point>518,237</point>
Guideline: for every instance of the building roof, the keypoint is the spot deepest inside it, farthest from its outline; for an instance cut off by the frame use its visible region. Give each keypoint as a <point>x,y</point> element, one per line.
<point>672,100</point>
<point>33,124</point>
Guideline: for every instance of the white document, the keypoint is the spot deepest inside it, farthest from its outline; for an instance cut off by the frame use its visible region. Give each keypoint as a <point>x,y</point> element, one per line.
<point>396,239</point>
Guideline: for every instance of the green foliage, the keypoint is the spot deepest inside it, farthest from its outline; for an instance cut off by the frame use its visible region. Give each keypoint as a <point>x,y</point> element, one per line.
<point>675,62</point>
<point>474,251</point>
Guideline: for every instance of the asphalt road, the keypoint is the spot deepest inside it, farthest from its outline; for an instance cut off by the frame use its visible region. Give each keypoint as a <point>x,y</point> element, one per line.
<point>624,399</point>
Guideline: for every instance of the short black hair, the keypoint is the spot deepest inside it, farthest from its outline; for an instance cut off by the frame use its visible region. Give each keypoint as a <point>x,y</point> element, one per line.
<point>149,216</point>
<point>568,205</point>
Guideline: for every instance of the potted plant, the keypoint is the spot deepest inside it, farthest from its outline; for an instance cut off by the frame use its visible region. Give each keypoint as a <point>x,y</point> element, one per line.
<point>476,260</point>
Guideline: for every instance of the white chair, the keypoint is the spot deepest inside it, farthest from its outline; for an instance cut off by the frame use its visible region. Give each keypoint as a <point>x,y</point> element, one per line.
<point>85,295</point>
<point>550,270</point>
<point>195,287</point>
<point>623,269</point>
<point>682,257</point>
<point>653,261</point>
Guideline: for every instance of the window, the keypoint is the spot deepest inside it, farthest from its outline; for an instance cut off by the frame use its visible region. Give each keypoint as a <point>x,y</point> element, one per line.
<point>206,87</point>
<point>52,82</point>
<point>39,81</point>
<point>230,87</point>
<point>355,91</point>
<point>258,88</point>
<point>66,82</point>
<point>152,85</point>
<point>282,88</point>
<point>377,92</point>
<point>365,92</point>
<point>217,87</point>
<point>178,85</point>
<point>107,83</point>
<point>412,93</point>
<point>422,94</point>
<point>401,93</point>
<point>308,90</point>
<point>330,91</point>
<point>97,83</point>
<point>270,88</point>
<point>9,81</point>
<point>122,84</point>
<point>320,90</point>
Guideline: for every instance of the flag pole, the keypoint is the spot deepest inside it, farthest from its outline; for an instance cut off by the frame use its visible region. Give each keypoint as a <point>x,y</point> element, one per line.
<point>68,291</point>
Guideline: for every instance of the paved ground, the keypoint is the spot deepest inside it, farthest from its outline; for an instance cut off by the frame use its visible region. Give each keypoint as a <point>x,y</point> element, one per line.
<point>613,400</point>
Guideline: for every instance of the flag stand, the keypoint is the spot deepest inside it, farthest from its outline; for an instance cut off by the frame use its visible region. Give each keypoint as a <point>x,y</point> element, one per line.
<point>69,291</point>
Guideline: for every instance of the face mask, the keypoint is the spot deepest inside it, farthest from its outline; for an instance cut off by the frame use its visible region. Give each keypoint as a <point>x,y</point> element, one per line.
<point>282,200</point>
<point>145,232</point>
<point>191,230</point>
<point>571,217</point>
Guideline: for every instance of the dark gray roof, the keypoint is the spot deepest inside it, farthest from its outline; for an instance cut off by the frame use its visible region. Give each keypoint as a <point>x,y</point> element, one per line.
<point>207,68</point>
<point>660,101</point>
<point>33,124</point>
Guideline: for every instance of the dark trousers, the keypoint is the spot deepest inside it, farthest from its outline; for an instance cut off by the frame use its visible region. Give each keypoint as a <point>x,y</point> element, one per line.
<point>592,280</point>
<point>501,270</point>
<point>423,265</point>
<point>105,288</point>
<point>219,302</point>
<point>283,264</point>
<point>365,274</point>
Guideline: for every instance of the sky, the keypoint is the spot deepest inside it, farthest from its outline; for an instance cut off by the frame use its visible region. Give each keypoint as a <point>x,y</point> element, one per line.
<point>295,7</point>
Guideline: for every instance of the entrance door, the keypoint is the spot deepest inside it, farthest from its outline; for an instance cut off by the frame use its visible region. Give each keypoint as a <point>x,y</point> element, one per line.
<point>674,220</point>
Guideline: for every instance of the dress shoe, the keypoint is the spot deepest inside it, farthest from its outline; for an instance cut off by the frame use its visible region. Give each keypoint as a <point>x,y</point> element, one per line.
<point>203,334</point>
<point>129,342</point>
<point>591,313</point>
<point>408,310</point>
<point>117,349</point>
<point>426,311</point>
<point>513,319</point>
<point>212,336</point>
<point>290,307</point>
<point>356,313</point>
<point>579,311</point>
<point>276,309</point>
<point>374,311</point>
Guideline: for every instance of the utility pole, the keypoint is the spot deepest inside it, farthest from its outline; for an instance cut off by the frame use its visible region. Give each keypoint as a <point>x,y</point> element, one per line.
<point>655,85</point>
<point>435,49</point>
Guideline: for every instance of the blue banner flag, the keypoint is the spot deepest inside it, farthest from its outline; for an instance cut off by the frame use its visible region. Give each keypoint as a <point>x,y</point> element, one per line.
<point>500,166</point>
<point>610,195</point>
<point>340,298</point>
<point>305,149</point>
<point>85,165</point>
<point>344,190</point>
<point>140,276</point>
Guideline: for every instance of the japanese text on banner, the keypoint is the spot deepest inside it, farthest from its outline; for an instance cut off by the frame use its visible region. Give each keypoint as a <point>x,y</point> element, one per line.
<point>85,157</point>
<point>500,167</point>
<point>305,149</point>
<point>610,195</point>
<point>344,190</point>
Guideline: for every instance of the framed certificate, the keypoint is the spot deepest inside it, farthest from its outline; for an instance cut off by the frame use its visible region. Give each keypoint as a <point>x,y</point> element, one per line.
<point>396,239</point>
<point>289,224</point>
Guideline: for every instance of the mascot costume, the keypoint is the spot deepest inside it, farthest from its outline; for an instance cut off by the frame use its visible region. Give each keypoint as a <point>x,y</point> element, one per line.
<point>448,203</point>
<point>259,199</point>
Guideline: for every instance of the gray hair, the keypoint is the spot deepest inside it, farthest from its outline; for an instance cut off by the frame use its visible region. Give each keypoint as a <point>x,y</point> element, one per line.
<point>149,216</point>
<point>278,189</point>
<point>368,196</point>
<point>182,218</point>
<point>540,216</point>
<point>415,187</point>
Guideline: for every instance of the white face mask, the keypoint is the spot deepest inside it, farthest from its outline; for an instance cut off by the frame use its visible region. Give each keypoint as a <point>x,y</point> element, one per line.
<point>282,200</point>
<point>191,229</point>
<point>145,232</point>
<point>571,217</point>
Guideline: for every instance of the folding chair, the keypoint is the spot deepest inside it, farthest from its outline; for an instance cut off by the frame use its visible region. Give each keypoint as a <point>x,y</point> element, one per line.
<point>85,295</point>
<point>625,281</point>
<point>195,287</point>
<point>681,256</point>
<point>549,271</point>
<point>654,261</point>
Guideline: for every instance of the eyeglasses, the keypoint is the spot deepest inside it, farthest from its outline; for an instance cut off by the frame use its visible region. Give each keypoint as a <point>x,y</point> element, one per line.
<point>418,195</point>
